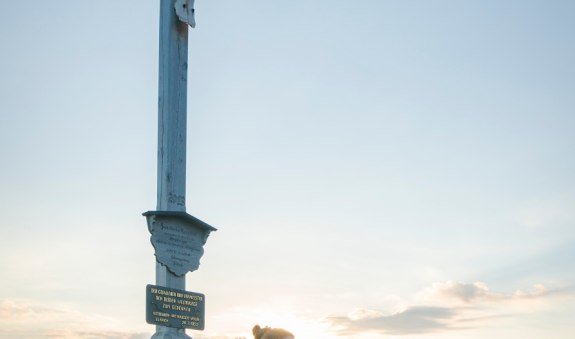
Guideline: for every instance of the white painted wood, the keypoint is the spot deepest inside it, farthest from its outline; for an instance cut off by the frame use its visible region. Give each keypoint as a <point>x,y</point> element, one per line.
<point>185,11</point>
<point>172,102</point>
<point>166,278</point>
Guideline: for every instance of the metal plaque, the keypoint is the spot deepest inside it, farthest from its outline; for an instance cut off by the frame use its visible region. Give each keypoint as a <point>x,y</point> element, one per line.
<point>178,239</point>
<point>175,308</point>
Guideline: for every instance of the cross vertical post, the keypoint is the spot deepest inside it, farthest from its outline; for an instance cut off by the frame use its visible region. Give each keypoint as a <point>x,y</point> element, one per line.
<point>178,237</point>
<point>172,112</point>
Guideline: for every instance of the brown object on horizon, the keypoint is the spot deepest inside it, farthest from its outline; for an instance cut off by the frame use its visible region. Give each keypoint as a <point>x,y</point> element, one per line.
<point>271,333</point>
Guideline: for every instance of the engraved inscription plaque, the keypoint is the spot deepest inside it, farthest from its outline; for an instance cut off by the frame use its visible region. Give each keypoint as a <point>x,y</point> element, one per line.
<point>175,308</point>
<point>178,239</point>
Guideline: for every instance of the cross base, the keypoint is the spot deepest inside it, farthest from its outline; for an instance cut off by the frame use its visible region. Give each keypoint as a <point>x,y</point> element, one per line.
<point>170,333</point>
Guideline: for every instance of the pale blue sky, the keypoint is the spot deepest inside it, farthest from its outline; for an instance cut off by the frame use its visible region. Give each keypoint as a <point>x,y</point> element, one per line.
<point>368,160</point>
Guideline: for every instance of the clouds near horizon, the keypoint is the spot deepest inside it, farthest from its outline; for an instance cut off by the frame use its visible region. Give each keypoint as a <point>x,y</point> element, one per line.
<point>28,319</point>
<point>446,306</point>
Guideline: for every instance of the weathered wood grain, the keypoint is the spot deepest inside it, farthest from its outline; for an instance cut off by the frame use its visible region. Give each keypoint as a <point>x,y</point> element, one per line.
<point>172,106</point>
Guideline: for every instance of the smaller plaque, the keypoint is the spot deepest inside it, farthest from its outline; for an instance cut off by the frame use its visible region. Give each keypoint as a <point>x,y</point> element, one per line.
<point>175,308</point>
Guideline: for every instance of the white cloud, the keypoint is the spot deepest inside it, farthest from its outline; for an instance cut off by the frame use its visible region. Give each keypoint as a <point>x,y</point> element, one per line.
<point>477,292</point>
<point>417,319</point>
<point>26,319</point>
<point>445,306</point>
<point>466,292</point>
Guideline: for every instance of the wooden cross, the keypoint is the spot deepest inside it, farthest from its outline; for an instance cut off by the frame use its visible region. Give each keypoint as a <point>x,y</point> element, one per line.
<point>175,16</point>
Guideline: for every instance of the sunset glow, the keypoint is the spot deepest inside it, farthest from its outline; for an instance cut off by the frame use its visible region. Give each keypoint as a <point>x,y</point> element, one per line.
<point>374,169</point>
